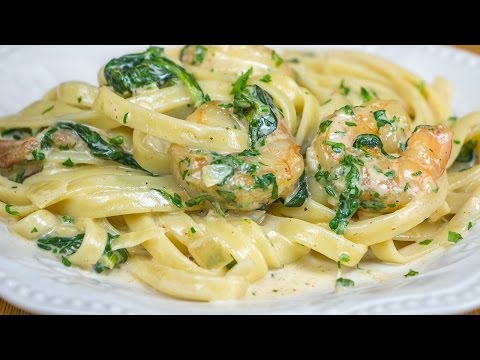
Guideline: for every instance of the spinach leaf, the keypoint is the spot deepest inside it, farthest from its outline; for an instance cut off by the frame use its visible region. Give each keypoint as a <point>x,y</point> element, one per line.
<point>256,106</point>
<point>381,118</point>
<point>374,204</point>
<point>241,82</point>
<point>47,141</point>
<point>349,199</point>
<point>130,72</point>
<point>324,178</point>
<point>175,199</point>
<point>206,197</point>
<point>61,245</point>
<point>198,51</point>
<point>99,147</point>
<point>17,133</point>
<point>111,258</point>
<point>300,194</point>
<point>467,152</point>
<point>264,183</point>
<point>371,141</point>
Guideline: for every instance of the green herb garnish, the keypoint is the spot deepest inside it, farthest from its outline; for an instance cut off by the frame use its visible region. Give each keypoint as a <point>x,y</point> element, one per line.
<point>206,197</point>
<point>111,258</point>
<point>130,72</point>
<point>175,199</point>
<point>365,94</point>
<point>343,282</point>
<point>425,242</point>
<point>344,90</point>
<point>8,209</point>
<point>324,126</point>
<point>68,163</point>
<point>454,237</point>
<point>411,273</point>
<point>266,79</point>
<point>47,110</point>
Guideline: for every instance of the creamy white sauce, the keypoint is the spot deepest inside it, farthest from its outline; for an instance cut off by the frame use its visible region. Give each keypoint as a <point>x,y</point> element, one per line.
<point>313,272</point>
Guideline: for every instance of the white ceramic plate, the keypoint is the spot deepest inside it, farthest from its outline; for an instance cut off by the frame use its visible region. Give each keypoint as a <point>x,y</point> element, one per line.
<point>449,281</point>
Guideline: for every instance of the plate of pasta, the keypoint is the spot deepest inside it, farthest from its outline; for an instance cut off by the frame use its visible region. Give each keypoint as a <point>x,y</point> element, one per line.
<point>239,179</point>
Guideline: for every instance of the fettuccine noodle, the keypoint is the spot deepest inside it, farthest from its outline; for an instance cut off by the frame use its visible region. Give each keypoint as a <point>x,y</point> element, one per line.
<point>198,170</point>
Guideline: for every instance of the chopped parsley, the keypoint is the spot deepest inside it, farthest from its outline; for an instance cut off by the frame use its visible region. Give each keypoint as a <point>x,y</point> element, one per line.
<point>116,141</point>
<point>470,225</point>
<point>344,258</point>
<point>8,209</point>
<point>266,79</point>
<point>454,237</point>
<point>79,99</point>
<point>34,230</point>
<point>425,242</point>
<point>418,173</point>
<point>264,183</point>
<point>68,163</point>
<point>66,262</point>
<point>338,148</point>
<point>458,142</point>
<point>38,155</point>
<point>20,177</point>
<point>125,117</point>
<point>324,178</point>
<point>344,90</point>
<point>373,204</point>
<point>231,264</point>
<point>47,110</point>
<point>68,219</point>
<point>229,196</point>
<point>324,126</point>
<point>206,197</point>
<point>344,282</point>
<point>365,94</point>
<point>277,59</point>
<point>348,110</point>
<point>381,118</point>
<point>411,273</point>
<point>241,82</point>
<point>193,230</point>
<point>325,102</point>
<point>349,123</point>
<point>390,174</point>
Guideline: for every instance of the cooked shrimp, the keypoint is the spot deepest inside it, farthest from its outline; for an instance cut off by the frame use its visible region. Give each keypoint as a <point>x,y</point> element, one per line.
<point>394,164</point>
<point>249,180</point>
